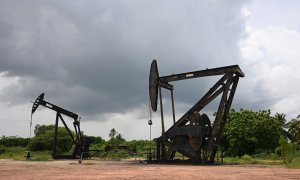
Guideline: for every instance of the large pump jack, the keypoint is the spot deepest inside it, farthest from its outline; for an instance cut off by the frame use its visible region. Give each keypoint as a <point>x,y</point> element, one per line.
<point>193,135</point>
<point>78,140</point>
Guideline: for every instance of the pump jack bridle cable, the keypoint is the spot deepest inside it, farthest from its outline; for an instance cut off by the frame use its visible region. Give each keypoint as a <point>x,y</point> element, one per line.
<point>30,127</point>
<point>150,111</point>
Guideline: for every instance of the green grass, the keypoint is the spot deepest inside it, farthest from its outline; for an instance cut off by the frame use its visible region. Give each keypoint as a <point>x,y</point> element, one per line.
<point>246,159</point>
<point>41,156</point>
<point>235,160</point>
<point>295,163</point>
<point>16,153</point>
<point>19,153</point>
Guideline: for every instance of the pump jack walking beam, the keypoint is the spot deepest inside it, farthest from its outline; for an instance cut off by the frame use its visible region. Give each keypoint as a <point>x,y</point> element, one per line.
<point>78,140</point>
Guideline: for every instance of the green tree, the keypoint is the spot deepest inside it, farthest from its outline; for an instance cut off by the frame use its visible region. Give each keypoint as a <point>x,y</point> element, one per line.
<point>285,150</point>
<point>294,129</point>
<point>281,118</point>
<point>115,138</point>
<point>14,141</point>
<point>96,142</point>
<point>41,129</point>
<point>140,145</point>
<point>249,132</point>
<point>120,139</point>
<point>43,139</point>
<point>112,133</point>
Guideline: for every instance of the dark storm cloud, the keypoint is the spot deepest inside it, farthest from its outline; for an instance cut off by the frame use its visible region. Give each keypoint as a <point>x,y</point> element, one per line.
<point>94,56</point>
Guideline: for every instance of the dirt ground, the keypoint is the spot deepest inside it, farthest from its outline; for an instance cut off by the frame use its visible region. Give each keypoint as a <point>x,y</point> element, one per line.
<point>130,169</point>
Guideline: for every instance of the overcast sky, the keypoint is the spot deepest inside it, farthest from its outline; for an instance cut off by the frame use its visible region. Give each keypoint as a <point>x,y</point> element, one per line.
<point>93,58</point>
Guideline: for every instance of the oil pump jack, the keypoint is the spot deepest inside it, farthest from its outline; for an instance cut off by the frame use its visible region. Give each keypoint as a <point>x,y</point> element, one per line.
<point>78,140</point>
<point>194,135</point>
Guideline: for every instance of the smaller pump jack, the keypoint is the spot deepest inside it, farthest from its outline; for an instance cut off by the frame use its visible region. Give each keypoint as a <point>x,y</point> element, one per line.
<point>78,141</point>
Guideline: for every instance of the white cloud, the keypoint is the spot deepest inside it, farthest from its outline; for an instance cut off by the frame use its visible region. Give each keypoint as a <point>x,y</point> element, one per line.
<point>15,120</point>
<point>245,12</point>
<point>272,56</point>
<point>289,105</point>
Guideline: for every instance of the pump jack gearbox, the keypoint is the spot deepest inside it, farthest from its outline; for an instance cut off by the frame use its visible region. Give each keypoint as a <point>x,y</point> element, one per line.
<point>79,141</point>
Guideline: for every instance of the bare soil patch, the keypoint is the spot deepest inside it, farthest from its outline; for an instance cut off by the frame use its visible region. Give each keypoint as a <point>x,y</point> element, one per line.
<point>130,169</point>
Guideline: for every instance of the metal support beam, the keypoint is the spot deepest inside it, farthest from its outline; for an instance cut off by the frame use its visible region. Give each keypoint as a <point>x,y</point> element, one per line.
<point>58,109</point>
<point>225,116</point>
<point>166,86</point>
<point>213,92</point>
<point>67,128</point>
<point>202,73</point>
<point>216,126</point>
<point>55,137</point>
<point>173,108</point>
<point>161,111</point>
<point>158,144</point>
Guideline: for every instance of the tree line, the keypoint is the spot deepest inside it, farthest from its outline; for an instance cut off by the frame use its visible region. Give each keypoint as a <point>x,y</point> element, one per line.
<point>246,132</point>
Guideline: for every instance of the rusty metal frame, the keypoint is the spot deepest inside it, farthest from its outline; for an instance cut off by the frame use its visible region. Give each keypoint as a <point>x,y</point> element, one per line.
<point>225,86</point>
<point>78,140</point>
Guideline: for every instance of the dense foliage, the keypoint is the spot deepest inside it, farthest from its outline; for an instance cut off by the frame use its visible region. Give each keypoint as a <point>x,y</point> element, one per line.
<point>294,129</point>
<point>43,139</point>
<point>96,143</point>
<point>13,141</point>
<point>250,132</point>
<point>116,138</point>
<point>285,150</point>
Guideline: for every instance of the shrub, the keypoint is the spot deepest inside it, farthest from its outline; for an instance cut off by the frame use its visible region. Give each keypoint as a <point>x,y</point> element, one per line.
<point>246,157</point>
<point>2,149</point>
<point>285,150</point>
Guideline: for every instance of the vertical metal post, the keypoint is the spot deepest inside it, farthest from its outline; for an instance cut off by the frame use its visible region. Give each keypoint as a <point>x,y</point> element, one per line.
<point>163,152</point>
<point>55,136</point>
<point>158,150</point>
<point>161,111</point>
<point>173,109</point>
<point>163,149</point>
<point>222,157</point>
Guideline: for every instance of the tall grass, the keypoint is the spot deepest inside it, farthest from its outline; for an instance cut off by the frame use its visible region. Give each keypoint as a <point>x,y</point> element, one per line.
<point>19,153</point>
<point>41,156</point>
<point>294,164</point>
<point>16,153</point>
<point>267,160</point>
